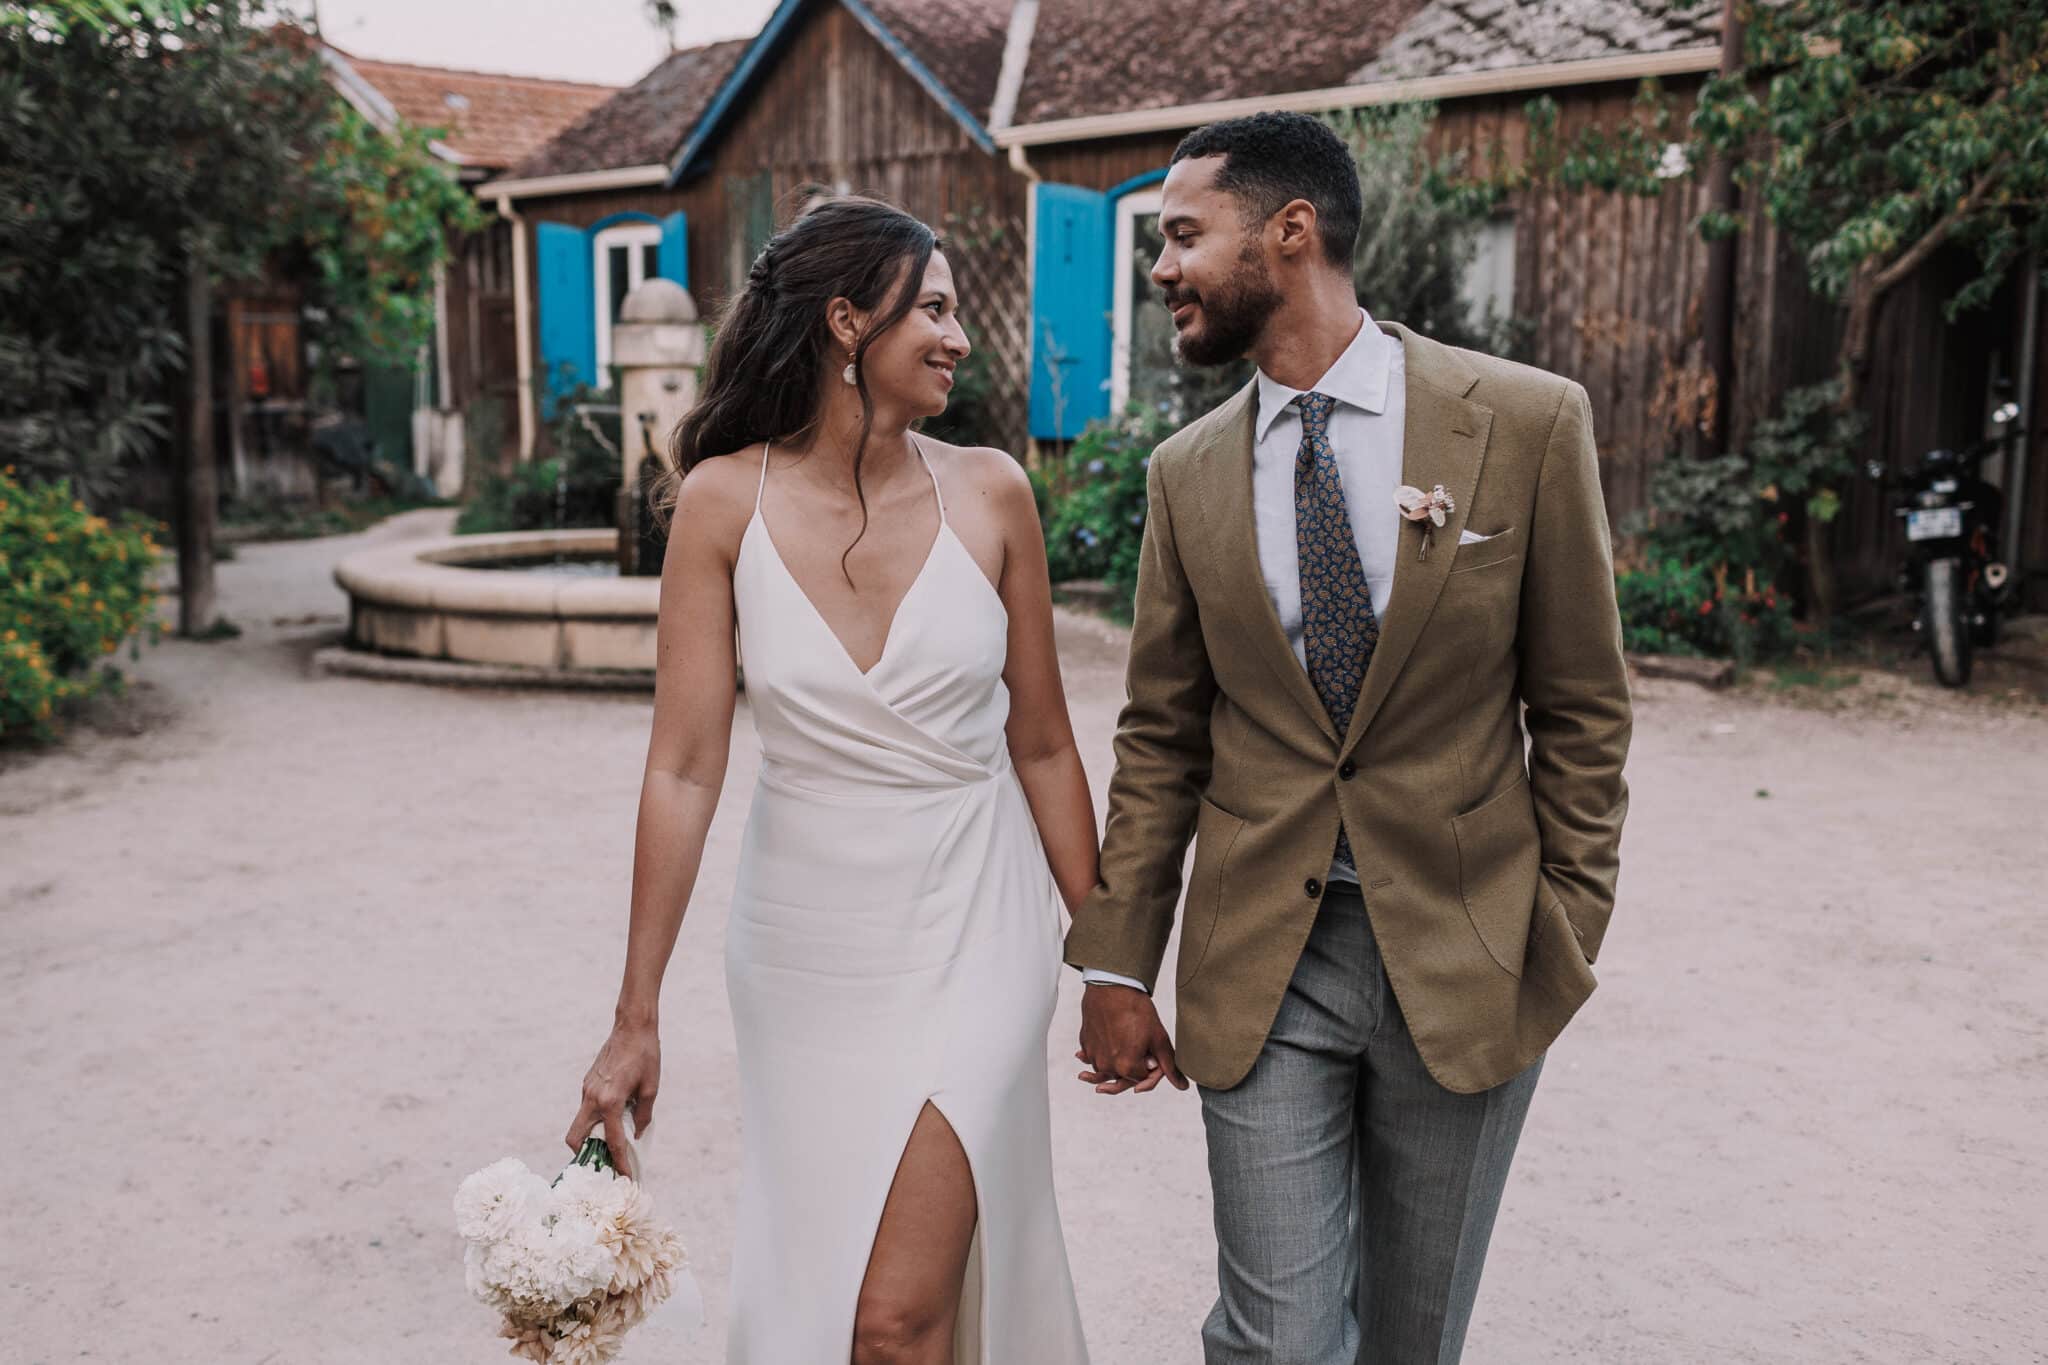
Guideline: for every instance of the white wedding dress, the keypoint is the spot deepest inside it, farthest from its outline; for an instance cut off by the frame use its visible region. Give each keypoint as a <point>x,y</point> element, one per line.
<point>894,939</point>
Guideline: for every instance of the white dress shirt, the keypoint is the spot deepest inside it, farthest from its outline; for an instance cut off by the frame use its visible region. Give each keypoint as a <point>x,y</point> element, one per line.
<point>1369,383</point>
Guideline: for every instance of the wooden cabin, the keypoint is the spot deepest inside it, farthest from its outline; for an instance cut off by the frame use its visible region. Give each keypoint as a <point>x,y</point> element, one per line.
<point>1035,133</point>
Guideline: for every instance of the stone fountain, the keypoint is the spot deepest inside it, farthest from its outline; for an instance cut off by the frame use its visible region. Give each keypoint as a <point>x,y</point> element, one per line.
<point>477,600</point>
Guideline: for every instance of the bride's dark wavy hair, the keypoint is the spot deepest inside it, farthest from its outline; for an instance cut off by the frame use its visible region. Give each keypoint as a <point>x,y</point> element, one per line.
<point>774,346</point>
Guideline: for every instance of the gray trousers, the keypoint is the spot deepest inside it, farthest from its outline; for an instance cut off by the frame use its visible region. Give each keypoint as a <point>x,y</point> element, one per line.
<point>1354,1195</point>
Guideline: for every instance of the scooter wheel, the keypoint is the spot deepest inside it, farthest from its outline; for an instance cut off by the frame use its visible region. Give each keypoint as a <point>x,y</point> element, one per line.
<point>1945,622</point>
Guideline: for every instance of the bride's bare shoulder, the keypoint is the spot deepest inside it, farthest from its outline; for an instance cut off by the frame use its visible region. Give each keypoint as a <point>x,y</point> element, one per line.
<point>986,473</point>
<point>716,499</point>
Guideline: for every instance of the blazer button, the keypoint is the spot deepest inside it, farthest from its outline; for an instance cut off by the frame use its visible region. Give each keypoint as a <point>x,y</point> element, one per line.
<point>1348,771</point>
<point>1313,887</point>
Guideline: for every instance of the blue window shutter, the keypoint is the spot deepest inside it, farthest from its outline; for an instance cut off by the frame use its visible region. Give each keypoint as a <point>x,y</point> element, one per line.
<point>568,308</point>
<point>675,248</point>
<point>1070,310</point>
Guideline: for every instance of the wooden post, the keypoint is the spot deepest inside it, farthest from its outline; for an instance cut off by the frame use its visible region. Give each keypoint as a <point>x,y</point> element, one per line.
<point>196,494</point>
<point>1717,324</point>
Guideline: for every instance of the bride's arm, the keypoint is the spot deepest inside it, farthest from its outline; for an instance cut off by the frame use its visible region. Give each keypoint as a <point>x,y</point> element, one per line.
<point>1041,737</point>
<point>686,758</point>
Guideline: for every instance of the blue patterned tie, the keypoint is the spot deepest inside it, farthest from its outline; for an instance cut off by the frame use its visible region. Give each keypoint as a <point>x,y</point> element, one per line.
<point>1338,625</point>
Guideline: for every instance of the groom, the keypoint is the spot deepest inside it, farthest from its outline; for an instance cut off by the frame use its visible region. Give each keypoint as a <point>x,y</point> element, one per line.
<point>1392,912</point>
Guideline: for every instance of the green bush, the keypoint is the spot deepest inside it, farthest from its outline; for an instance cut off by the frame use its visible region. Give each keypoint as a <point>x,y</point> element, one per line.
<point>1418,238</point>
<point>1719,535</point>
<point>73,586</point>
<point>1670,606</point>
<point>578,485</point>
<point>1095,501</point>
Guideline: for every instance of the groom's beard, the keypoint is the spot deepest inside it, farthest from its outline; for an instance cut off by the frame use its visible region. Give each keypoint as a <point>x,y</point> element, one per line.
<point>1232,318</point>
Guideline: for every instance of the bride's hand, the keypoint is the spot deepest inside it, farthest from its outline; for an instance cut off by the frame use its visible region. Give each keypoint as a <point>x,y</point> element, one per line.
<point>625,1076</point>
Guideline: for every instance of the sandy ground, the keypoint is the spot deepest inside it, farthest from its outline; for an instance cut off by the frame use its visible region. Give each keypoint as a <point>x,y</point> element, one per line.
<point>283,967</point>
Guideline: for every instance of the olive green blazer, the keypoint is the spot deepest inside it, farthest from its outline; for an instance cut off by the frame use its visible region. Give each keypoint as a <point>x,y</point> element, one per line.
<point>1488,876</point>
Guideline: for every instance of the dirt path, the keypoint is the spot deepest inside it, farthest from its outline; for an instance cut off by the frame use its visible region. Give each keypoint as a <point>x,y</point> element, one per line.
<point>283,968</point>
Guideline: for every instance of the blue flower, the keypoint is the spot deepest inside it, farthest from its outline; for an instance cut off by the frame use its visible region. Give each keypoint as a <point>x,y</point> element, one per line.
<point>1086,537</point>
<point>1095,466</point>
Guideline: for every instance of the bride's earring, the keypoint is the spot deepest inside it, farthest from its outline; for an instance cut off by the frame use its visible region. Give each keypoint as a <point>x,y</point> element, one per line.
<point>850,374</point>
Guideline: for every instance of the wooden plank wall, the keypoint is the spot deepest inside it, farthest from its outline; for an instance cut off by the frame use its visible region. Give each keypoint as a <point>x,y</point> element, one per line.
<point>836,112</point>
<point>1610,285</point>
<point>2030,557</point>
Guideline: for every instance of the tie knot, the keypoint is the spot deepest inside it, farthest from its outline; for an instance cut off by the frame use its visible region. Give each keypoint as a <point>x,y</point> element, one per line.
<point>1315,411</point>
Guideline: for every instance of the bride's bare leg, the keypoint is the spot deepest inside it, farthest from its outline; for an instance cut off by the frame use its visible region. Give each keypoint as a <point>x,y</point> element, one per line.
<point>911,1294</point>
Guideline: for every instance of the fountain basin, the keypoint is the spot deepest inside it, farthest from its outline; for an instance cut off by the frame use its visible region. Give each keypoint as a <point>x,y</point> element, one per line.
<point>426,599</point>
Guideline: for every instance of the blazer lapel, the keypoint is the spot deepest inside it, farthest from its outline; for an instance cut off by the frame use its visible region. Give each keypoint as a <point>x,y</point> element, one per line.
<point>1443,442</point>
<point>1226,482</point>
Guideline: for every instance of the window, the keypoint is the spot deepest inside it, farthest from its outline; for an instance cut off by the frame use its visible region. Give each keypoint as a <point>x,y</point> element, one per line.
<point>1139,345</point>
<point>1489,290</point>
<point>1142,367</point>
<point>625,256</point>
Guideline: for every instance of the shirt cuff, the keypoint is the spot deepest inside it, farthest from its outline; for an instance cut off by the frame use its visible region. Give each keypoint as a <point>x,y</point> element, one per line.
<point>1094,977</point>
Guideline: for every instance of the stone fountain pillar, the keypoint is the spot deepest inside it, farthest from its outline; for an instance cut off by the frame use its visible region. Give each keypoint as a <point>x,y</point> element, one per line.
<point>658,347</point>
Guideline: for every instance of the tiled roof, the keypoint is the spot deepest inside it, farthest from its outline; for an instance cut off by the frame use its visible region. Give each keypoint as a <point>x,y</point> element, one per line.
<point>1450,37</point>
<point>489,120</point>
<point>1093,57</point>
<point>644,124</point>
<point>959,41</point>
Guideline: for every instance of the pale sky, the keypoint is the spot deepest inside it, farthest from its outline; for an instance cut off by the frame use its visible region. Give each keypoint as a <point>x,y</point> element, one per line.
<point>587,40</point>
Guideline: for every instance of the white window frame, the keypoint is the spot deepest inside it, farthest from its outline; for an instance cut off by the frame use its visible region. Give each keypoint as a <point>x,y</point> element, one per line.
<point>1491,276</point>
<point>1129,209</point>
<point>631,236</point>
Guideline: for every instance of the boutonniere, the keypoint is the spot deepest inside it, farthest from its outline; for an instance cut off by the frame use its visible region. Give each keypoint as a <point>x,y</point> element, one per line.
<point>1429,508</point>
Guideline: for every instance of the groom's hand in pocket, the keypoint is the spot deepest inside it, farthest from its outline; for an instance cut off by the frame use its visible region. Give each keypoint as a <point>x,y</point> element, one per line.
<point>1123,1043</point>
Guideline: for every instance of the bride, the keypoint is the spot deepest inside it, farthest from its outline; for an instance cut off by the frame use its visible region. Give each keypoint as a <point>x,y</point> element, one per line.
<point>921,814</point>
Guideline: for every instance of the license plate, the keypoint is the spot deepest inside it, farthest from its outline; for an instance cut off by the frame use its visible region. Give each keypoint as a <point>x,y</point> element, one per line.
<point>1934,523</point>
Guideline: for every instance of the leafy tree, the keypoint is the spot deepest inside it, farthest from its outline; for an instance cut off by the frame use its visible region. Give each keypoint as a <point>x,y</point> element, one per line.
<point>1414,248</point>
<point>1875,133</point>
<point>149,151</point>
<point>131,156</point>
<point>377,212</point>
<point>1879,132</point>
<point>105,15</point>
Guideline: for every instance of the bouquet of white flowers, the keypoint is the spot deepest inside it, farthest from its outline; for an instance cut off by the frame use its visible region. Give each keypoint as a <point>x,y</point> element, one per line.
<point>574,1265</point>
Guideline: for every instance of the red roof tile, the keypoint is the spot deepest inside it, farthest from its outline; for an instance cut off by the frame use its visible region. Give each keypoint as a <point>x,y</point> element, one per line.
<point>1452,36</point>
<point>959,41</point>
<point>491,121</point>
<point>1112,56</point>
<point>645,124</point>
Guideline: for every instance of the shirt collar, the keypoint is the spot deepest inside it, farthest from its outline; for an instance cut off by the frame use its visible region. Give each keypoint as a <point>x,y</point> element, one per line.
<point>1359,378</point>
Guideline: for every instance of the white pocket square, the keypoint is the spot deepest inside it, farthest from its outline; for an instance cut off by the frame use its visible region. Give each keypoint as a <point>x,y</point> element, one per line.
<point>1473,537</point>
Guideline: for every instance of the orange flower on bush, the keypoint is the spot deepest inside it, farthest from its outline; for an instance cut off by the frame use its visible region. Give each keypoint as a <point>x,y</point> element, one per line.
<point>73,586</point>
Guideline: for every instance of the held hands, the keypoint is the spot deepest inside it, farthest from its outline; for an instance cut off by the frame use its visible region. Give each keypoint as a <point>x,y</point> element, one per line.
<point>624,1078</point>
<point>1123,1044</point>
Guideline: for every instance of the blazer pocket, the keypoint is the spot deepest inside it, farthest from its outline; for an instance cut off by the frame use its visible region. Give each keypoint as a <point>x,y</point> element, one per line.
<point>1480,554</point>
<point>1500,866</point>
<point>1216,834</point>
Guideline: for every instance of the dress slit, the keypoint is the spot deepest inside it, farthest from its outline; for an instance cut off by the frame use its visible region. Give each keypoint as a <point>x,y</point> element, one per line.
<point>970,1340</point>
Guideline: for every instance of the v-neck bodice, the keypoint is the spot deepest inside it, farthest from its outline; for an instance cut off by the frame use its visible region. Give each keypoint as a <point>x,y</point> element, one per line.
<point>930,711</point>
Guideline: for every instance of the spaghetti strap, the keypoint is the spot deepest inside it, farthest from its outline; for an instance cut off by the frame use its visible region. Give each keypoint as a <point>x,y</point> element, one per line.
<point>933,474</point>
<point>768,448</point>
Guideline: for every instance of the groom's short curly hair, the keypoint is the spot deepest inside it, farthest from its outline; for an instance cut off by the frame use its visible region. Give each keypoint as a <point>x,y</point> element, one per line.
<point>1270,160</point>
